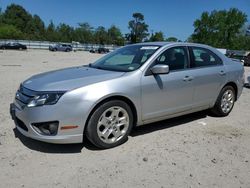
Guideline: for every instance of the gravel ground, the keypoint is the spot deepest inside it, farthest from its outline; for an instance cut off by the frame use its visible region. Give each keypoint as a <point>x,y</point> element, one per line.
<point>196,150</point>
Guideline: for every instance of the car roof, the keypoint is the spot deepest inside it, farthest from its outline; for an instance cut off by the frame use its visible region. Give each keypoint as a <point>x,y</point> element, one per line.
<point>155,43</point>
<point>173,43</point>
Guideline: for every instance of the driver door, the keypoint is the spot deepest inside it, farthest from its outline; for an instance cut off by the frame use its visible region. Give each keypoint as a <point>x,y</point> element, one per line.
<point>167,94</point>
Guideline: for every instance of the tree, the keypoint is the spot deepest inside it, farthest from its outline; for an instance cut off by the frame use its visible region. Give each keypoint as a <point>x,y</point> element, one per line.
<point>172,39</point>
<point>1,17</point>
<point>138,28</point>
<point>65,32</point>
<point>219,28</point>
<point>101,35</point>
<point>248,31</point>
<point>157,36</point>
<point>242,42</point>
<point>51,34</point>
<point>10,32</point>
<point>17,16</point>
<point>17,23</point>
<point>84,33</point>
<point>36,28</point>
<point>115,36</point>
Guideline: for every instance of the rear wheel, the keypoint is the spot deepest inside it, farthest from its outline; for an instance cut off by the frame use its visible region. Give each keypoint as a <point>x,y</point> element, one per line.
<point>225,102</point>
<point>110,124</point>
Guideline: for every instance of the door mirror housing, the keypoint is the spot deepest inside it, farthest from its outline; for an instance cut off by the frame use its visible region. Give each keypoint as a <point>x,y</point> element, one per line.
<point>160,69</point>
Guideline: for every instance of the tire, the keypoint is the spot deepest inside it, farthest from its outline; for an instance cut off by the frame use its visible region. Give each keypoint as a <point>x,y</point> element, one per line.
<point>105,128</point>
<point>225,102</point>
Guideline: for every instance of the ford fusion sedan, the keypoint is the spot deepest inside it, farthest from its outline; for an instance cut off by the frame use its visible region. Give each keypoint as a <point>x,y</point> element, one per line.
<point>131,86</point>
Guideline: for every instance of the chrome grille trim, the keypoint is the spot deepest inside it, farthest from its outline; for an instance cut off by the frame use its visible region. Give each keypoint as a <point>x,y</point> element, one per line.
<point>24,95</point>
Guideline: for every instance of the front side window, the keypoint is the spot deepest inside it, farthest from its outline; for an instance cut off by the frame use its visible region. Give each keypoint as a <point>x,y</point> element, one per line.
<point>128,58</point>
<point>176,58</point>
<point>203,57</point>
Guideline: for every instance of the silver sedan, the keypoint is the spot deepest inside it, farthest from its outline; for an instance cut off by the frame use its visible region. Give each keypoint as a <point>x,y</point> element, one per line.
<point>132,86</point>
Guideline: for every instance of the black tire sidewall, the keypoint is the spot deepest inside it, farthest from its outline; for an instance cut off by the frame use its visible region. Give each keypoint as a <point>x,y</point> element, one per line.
<point>91,129</point>
<point>217,108</point>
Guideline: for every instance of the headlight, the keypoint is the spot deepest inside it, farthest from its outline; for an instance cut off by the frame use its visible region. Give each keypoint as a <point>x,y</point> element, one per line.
<point>44,99</point>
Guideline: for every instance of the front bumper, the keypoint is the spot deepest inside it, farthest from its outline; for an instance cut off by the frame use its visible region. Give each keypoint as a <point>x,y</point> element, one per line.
<point>25,117</point>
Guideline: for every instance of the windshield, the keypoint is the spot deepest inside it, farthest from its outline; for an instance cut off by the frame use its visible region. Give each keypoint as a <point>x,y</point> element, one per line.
<point>128,58</point>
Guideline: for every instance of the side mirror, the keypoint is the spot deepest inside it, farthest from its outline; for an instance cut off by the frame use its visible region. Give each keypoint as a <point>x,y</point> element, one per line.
<point>160,69</point>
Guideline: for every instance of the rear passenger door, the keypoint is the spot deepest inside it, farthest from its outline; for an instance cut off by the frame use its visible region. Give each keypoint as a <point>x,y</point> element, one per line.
<point>209,75</point>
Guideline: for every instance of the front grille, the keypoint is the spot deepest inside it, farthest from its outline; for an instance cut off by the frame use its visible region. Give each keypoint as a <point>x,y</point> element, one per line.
<point>24,95</point>
<point>21,124</point>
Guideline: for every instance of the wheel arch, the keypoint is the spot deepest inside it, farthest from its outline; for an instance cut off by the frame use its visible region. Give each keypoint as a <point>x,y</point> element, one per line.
<point>110,98</point>
<point>234,85</point>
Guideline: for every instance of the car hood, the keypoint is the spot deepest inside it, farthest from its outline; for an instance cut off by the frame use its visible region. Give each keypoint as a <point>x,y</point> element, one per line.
<point>68,79</point>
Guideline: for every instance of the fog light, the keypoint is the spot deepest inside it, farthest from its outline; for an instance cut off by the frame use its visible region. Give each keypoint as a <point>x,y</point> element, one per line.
<point>46,128</point>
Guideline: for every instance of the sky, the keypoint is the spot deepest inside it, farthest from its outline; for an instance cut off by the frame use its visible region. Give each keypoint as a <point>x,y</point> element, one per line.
<point>173,18</point>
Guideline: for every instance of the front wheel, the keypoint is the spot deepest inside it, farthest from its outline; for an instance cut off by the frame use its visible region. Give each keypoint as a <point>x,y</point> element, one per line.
<point>225,102</point>
<point>110,124</point>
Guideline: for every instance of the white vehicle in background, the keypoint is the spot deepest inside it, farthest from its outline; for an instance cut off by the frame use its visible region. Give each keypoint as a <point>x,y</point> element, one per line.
<point>222,50</point>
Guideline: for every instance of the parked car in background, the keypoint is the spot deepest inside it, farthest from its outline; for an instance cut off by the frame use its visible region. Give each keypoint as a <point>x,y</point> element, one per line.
<point>131,86</point>
<point>239,57</point>
<point>13,46</point>
<point>247,60</point>
<point>93,50</point>
<point>61,47</point>
<point>102,50</point>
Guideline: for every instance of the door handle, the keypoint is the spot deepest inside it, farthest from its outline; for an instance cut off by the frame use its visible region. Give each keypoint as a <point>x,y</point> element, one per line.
<point>222,73</point>
<point>188,78</point>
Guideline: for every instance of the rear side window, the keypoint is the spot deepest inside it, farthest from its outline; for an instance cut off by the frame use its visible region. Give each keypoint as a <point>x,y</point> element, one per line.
<point>202,57</point>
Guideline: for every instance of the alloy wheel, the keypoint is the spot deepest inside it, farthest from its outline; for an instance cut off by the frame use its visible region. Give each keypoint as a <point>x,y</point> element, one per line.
<point>227,101</point>
<point>113,124</point>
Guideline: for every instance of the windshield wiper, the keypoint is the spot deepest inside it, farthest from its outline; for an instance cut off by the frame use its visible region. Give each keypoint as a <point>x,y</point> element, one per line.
<point>103,68</point>
<point>95,67</point>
